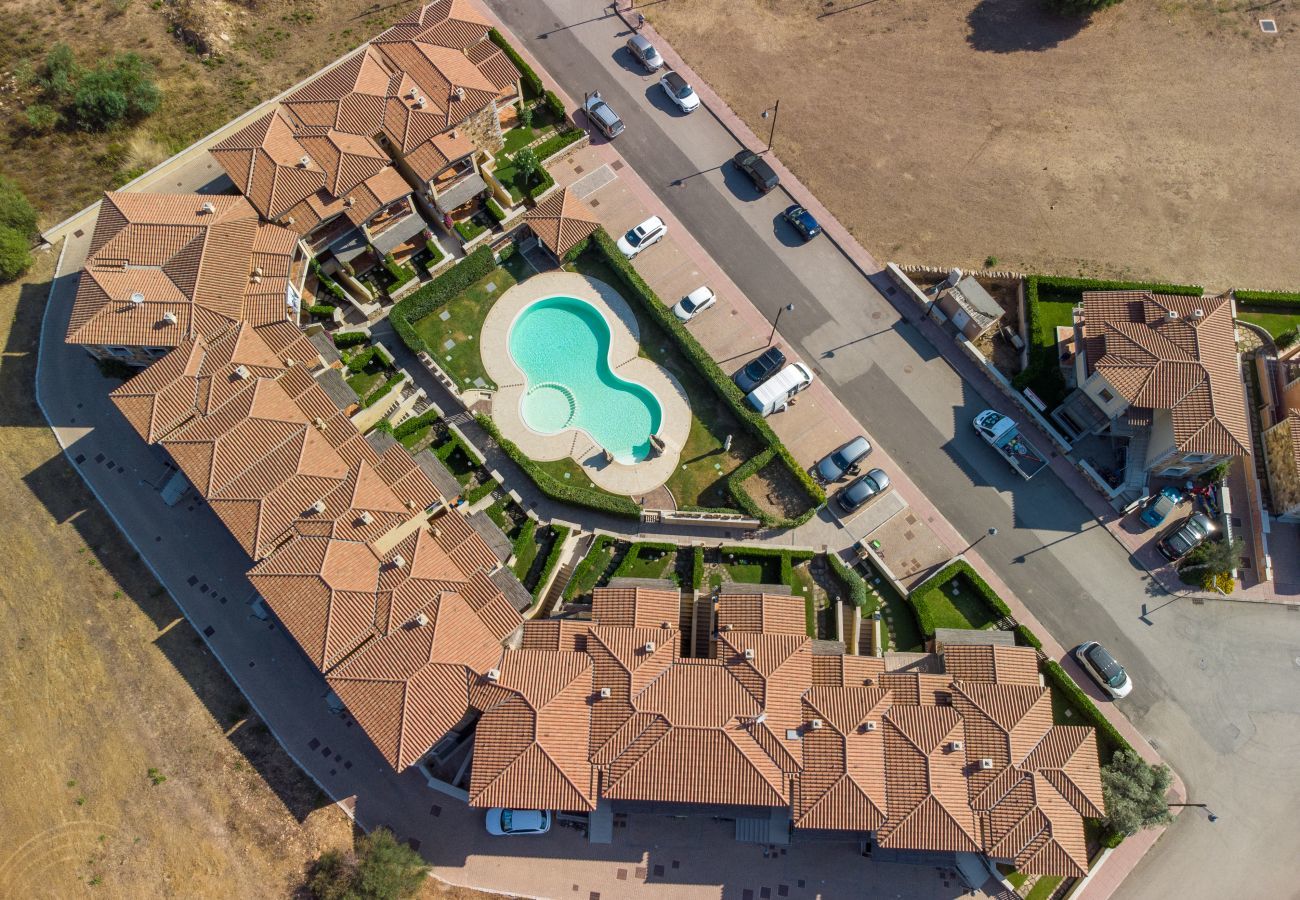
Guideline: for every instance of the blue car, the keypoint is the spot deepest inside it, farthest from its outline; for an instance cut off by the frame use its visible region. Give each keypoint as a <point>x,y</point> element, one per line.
<point>803,222</point>
<point>1158,510</point>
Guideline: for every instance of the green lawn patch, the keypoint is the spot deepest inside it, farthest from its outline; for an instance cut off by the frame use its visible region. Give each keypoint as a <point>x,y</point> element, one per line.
<point>899,620</point>
<point>939,607</point>
<point>1043,887</point>
<point>526,549</point>
<point>649,561</point>
<point>366,382</point>
<point>1017,878</point>
<point>413,439</point>
<point>463,361</point>
<point>517,138</point>
<point>592,568</point>
<point>457,460</point>
<point>1274,320</point>
<point>746,567</point>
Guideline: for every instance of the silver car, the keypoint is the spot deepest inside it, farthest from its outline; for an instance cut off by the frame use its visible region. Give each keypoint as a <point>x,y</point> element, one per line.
<point>604,118</point>
<point>645,53</point>
<point>863,490</point>
<point>835,464</point>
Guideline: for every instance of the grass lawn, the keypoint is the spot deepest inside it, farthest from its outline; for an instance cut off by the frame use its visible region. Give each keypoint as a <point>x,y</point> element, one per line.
<point>1271,318</point>
<point>753,569</point>
<point>412,440</point>
<point>1054,309</point>
<point>898,620</point>
<point>700,478</point>
<point>467,311</point>
<point>1017,878</point>
<point>366,381</point>
<point>594,565</point>
<point>568,471</point>
<point>965,609</point>
<point>457,461</point>
<point>1043,887</point>
<point>517,138</point>
<point>518,267</point>
<point>649,564</point>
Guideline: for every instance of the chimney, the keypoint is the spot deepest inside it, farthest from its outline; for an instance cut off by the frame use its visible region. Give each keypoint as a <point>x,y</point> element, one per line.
<point>288,220</point>
<point>412,94</point>
<point>1171,315</point>
<point>604,693</point>
<point>289,363</point>
<point>494,675</point>
<point>348,201</point>
<point>749,653</point>
<point>986,764</point>
<point>399,562</point>
<point>437,532</point>
<point>649,646</point>
<point>956,746</point>
<point>169,317</point>
<point>365,518</point>
<point>242,373</point>
<point>304,162</point>
<point>137,298</point>
<point>458,94</point>
<point>318,507</point>
<point>256,278</point>
<point>1198,314</point>
<point>816,724</point>
<point>207,208</point>
<point>421,620</point>
<point>410,504</point>
<point>760,718</point>
<point>868,725</point>
<point>319,423</point>
<point>419,103</point>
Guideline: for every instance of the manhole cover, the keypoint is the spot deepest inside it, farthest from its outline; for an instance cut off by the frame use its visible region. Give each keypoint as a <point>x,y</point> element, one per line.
<point>616,165</point>
<point>1268,26</point>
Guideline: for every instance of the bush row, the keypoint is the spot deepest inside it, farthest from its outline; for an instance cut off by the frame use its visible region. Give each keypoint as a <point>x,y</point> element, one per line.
<point>532,82</point>
<point>556,489</point>
<point>697,569</point>
<point>344,339</point>
<point>494,209</point>
<point>435,252</point>
<point>437,293</point>
<point>603,245</point>
<point>857,585</point>
<point>553,145</point>
<point>469,229</point>
<point>480,490</point>
<point>382,391</point>
<point>1268,298</point>
<point>552,559</point>
<point>526,534</point>
<point>556,106</point>
<point>415,423</point>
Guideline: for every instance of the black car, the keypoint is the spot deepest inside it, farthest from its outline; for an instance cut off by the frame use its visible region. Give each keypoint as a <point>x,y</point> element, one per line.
<point>1194,531</point>
<point>760,369</point>
<point>759,172</point>
<point>802,221</point>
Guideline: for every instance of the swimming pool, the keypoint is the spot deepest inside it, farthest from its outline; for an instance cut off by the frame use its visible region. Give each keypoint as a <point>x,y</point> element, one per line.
<point>561,344</point>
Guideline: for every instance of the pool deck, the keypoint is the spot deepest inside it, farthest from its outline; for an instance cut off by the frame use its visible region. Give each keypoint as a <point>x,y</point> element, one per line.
<point>633,480</point>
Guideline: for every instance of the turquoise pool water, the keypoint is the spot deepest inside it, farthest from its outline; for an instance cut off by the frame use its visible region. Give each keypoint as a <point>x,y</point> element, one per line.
<point>562,346</point>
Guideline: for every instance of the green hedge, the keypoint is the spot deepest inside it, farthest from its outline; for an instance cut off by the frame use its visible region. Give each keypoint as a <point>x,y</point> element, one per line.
<point>526,533</point>
<point>438,292</point>
<point>360,360</point>
<point>1109,738</point>
<point>469,229</point>
<point>555,105</point>
<point>697,569</point>
<point>584,567</point>
<point>494,209</point>
<point>383,391</point>
<point>349,338</point>
<point>477,493</point>
<point>435,252</point>
<point>552,559</point>
<point>857,585</point>
<point>544,183</point>
<point>556,489</point>
<point>553,145</point>
<point>415,423</point>
<point>603,245</point>
<point>532,82</point>
<point>401,274</point>
<point>577,250</point>
<point>1268,298</point>
<point>324,310</point>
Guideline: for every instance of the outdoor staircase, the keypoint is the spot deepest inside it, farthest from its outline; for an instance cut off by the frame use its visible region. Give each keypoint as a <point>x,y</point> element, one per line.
<point>562,578</point>
<point>703,625</point>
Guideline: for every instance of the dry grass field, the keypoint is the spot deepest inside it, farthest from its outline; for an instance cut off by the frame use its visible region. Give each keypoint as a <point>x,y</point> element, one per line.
<point>1158,140</point>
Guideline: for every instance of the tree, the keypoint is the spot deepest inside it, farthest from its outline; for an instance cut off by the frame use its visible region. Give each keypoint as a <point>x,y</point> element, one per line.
<point>61,74</point>
<point>107,96</point>
<point>1134,793</point>
<point>15,256</point>
<point>526,164</point>
<point>379,869</point>
<point>1213,557</point>
<point>16,211</point>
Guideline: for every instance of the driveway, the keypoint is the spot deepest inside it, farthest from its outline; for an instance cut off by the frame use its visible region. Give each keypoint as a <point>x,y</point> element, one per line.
<point>1217,683</point>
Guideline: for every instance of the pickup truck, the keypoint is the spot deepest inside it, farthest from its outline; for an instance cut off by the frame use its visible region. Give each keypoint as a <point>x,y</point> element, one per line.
<point>1002,435</point>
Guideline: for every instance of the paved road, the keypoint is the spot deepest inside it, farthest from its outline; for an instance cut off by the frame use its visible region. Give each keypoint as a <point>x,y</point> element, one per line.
<point>1217,683</point>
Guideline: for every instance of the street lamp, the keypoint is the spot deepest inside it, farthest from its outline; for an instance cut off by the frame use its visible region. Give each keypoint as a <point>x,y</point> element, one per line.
<point>992,532</point>
<point>1213,817</point>
<point>789,307</point>
<point>772,110</point>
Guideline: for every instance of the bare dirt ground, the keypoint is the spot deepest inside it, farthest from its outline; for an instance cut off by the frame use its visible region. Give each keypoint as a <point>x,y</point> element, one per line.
<point>258,48</point>
<point>1158,140</point>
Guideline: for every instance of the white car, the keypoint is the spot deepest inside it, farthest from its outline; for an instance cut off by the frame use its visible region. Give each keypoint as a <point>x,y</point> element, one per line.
<point>679,92</point>
<point>647,234</point>
<point>694,303</point>
<point>518,821</point>
<point>1104,669</point>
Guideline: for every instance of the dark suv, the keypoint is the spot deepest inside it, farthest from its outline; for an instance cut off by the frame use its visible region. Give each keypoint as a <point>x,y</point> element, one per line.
<point>759,172</point>
<point>760,369</point>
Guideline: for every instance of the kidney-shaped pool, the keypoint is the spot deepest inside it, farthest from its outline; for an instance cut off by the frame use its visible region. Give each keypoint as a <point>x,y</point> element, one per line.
<point>561,344</point>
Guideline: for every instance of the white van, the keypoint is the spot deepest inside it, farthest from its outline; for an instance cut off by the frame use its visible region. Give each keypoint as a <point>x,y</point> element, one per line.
<point>774,395</point>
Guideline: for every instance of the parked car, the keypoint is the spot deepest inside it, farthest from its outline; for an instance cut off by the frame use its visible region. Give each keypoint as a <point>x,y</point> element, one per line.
<point>518,821</point>
<point>1194,531</point>
<point>760,369</point>
<point>862,490</point>
<point>1104,669</point>
<point>679,92</point>
<point>604,118</point>
<point>1165,502</point>
<point>834,465</point>
<point>759,172</point>
<point>802,221</point>
<point>645,53</point>
<point>694,303</point>
<point>775,394</point>
<point>647,234</point>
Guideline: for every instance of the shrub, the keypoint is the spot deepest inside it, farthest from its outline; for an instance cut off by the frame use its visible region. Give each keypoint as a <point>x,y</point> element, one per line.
<point>697,569</point>
<point>856,584</point>
<point>525,115</point>
<point>350,338</point>
<point>1108,738</point>
<point>380,868</point>
<point>107,96</point>
<point>1268,298</point>
<point>553,145</point>
<point>1223,582</point>
<point>552,559</point>
<point>60,74</point>
<point>16,211</point>
<point>1134,792</point>
<point>324,310</point>
<point>401,274</point>
<point>415,423</point>
<point>468,230</point>
<point>42,118</point>
<point>531,81</point>
<point>437,292</point>
<point>544,183</point>
<point>480,490</point>
<point>525,162</point>
<point>494,210</point>
<point>556,489</point>
<point>555,105</point>
<point>15,255</point>
<point>435,252</point>
<point>526,535</point>
<point>577,249</point>
<point>1287,338</point>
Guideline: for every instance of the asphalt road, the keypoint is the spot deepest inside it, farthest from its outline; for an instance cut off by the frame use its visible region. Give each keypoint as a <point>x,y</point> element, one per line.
<point>1216,683</point>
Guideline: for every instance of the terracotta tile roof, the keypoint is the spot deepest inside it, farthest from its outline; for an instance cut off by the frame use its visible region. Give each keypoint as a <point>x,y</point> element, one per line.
<point>568,635</point>
<point>1067,757</point>
<point>162,269</point>
<point>1172,353</point>
<point>1003,723</point>
<point>760,612</point>
<point>1034,825</point>
<point>438,152</point>
<point>562,221</point>
<point>635,607</point>
<point>843,782</point>
<point>925,784</point>
<point>447,23</point>
<point>989,663</point>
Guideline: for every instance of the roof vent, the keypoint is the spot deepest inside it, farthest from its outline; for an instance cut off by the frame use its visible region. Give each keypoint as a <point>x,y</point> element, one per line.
<point>726,627</point>
<point>289,363</point>
<point>868,725</point>
<point>816,724</point>
<point>749,653</point>
<point>258,271</point>
<point>760,718</point>
<point>318,507</point>
<point>459,93</point>
<point>437,532</point>
<point>454,134</point>
<point>137,298</point>
<point>365,518</point>
<point>868,681</point>
<point>665,625</point>
<point>412,94</point>
<point>1198,314</point>
<point>207,207</point>
<point>956,746</point>
<point>319,423</point>
<point>349,200</point>
<point>986,763</point>
<point>1171,314</point>
<point>399,562</point>
<point>242,373</point>
<point>493,674</point>
<point>256,278</point>
<point>604,693</point>
<point>419,103</point>
<point>304,161</point>
<point>169,317</point>
<point>421,619</point>
<point>410,504</point>
<point>288,220</point>
<point>649,646</point>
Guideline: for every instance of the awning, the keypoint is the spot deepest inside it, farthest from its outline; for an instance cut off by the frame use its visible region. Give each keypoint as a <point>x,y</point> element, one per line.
<point>350,246</point>
<point>386,241</point>
<point>460,193</point>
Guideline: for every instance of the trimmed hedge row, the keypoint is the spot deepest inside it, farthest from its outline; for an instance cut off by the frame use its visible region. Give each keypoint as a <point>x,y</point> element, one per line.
<point>494,209</point>
<point>401,274</point>
<point>603,245</point>
<point>697,569</point>
<point>477,493</point>
<point>324,310</point>
<point>437,293</point>
<point>469,229</point>
<point>383,391</point>
<point>555,105</point>
<point>552,559</point>
<point>857,585</point>
<point>349,338</point>
<point>532,82</point>
<point>555,144</point>
<point>526,533</point>
<point>1268,298</point>
<point>415,423</point>
<point>435,252</point>
<point>556,489</point>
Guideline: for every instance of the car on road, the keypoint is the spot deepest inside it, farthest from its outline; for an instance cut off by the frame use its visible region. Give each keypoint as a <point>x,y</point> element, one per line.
<point>647,234</point>
<point>1194,531</point>
<point>518,821</point>
<point>760,369</point>
<point>645,53</point>
<point>842,460</point>
<point>861,491</point>
<point>1104,669</point>
<point>759,172</point>
<point>604,118</point>
<point>679,92</point>
<point>694,303</point>
<point>802,221</point>
<point>1165,502</point>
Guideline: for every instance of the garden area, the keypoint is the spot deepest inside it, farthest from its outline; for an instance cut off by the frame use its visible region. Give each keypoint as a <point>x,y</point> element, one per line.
<point>536,547</point>
<point>369,367</point>
<point>1277,313</point>
<point>450,333</point>
<point>429,431</point>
